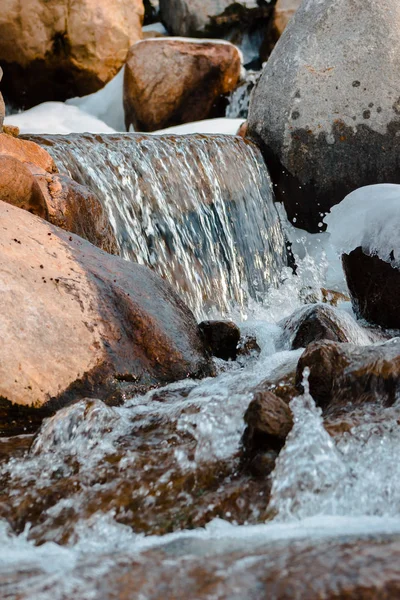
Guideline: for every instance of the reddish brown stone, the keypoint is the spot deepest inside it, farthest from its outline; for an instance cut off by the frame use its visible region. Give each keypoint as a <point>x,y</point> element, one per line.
<point>172,81</point>
<point>74,318</point>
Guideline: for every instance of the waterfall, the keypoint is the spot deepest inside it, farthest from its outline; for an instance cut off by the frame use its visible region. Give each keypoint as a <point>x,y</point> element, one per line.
<point>197,209</point>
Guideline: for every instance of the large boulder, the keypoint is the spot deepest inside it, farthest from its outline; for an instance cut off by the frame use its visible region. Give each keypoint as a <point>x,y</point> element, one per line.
<point>327,108</point>
<point>74,319</point>
<point>210,17</point>
<point>56,49</point>
<point>169,82</point>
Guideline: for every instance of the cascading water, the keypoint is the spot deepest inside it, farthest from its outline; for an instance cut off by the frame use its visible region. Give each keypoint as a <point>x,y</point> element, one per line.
<point>96,479</point>
<point>197,209</point>
<point>151,499</point>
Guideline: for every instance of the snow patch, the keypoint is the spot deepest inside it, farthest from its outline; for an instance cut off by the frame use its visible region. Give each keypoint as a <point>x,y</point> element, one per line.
<point>57,118</point>
<point>368,217</point>
<point>222,126</point>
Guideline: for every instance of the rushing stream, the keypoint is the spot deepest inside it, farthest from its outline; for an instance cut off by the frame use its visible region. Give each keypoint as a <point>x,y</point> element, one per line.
<point>151,500</point>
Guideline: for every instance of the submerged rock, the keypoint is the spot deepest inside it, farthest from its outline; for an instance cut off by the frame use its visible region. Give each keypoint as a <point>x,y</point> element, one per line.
<point>74,319</point>
<point>222,337</point>
<point>57,50</point>
<point>365,568</point>
<point>170,82</point>
<point>326,110</point>
<point>374,285</point>
<point>316,322</point>
<point>344,376</point>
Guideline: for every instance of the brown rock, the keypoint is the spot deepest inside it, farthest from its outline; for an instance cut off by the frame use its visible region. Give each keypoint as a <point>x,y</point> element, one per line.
<point>222,337</point>
<point>343,376</point>
<point>27,152</point>
<point>268,420</point>
<point>374,286</point>
<point>284,11</point>
<point>74,208</point>
<point>58,199</point>
<point>317,322</point>
<point>12,130</point>
<point>55,49</point>
<point>169,82</point>
<point>341,568</point>
<point>74,317</point>
<point>19,187</point>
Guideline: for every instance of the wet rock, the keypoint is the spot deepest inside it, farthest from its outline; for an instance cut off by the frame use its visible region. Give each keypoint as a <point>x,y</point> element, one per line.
<point>362,568</point>
<point>211,17</point>
<point>374,286</point>
<point>268,421</point>
<point>315,322</point>
<point>248,346</point>
<point>75,320</point>
<point>283,13</point>
<point>57,50</point>
<point>327,113</point>
<point>222,337</point>
<point>169,82</point>
<point>344,376</point>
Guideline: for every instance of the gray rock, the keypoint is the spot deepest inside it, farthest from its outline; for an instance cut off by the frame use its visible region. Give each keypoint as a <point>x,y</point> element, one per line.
<point>327,108</point>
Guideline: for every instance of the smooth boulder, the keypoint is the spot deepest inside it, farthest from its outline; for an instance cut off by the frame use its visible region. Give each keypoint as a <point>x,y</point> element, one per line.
<point>76,320</point>
<point>54,50</point>
<point>326,110</point>
<point>170,82</point>
<point>316,322</point>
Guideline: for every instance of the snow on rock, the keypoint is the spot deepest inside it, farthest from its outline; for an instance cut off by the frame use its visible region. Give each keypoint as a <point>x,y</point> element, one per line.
<point>106,104</point>
<point>57,117</point>
<point>222,126</point>
<point>368,218</point>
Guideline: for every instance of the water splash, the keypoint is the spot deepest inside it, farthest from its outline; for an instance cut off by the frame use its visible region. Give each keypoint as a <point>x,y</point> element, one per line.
<point>197,209</point>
